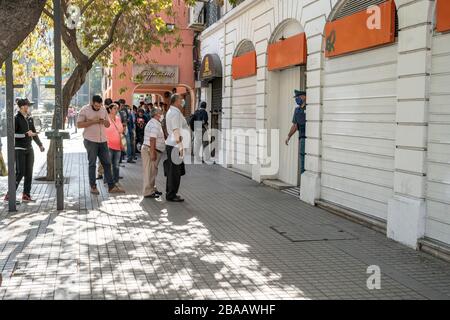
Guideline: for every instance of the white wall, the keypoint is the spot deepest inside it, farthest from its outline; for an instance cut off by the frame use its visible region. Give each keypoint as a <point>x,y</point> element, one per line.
<point>395,142</point>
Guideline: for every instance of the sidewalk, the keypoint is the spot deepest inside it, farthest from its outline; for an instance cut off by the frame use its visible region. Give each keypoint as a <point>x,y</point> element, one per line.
<point>231,239</point>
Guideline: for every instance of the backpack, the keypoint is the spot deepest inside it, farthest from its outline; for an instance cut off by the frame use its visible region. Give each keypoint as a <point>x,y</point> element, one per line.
<point>192,121</point>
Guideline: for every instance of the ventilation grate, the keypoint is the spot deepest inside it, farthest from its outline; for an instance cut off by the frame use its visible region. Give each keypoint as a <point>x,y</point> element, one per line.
<point>316,232</point>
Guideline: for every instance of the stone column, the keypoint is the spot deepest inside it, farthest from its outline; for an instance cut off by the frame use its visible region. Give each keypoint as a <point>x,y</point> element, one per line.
<point>310,179</point>
<point>407,208</point>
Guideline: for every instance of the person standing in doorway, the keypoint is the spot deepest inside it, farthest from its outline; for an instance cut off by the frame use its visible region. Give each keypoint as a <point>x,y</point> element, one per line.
<point>299,123</point>
<point>93,118</point>
<point>152,151</point>
<point>175,123</point>
<point>24,133</point>
<point>200,116</point>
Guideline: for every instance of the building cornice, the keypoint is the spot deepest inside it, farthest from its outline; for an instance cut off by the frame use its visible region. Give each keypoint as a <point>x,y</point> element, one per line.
<point>230,15</point>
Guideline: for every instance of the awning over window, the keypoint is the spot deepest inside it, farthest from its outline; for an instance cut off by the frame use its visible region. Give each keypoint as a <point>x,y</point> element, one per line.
<point>244,66</point>
<point>287,53</point>
<point>362,30</point>
<point>443,15</point>
<point>211,67</point>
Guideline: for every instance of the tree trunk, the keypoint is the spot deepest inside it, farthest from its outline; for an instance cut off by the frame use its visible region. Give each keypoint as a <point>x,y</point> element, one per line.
<point>72,86</point>
<point>17,20</point>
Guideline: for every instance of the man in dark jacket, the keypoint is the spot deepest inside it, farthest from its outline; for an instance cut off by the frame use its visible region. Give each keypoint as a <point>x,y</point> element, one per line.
<point>200,117</point>
<point>24,133</point>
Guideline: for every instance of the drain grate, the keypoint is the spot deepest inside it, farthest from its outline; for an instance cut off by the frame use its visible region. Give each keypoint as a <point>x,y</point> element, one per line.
<point>295,191</point>
<point>317,232</point>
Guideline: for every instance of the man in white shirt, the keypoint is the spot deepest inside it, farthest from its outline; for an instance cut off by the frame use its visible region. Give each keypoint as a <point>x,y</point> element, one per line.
<point>175,122</point>
<point>152,150</point>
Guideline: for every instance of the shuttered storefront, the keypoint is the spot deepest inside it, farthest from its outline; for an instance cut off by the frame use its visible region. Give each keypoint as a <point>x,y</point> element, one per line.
<point>243,118</point>
<point>358,146</point>
<point>438,186</point>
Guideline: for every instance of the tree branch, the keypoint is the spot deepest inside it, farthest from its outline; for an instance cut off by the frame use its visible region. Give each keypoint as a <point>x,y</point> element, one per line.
<point>49,14</point>
<point>110,39</point>
<point>85,7</point>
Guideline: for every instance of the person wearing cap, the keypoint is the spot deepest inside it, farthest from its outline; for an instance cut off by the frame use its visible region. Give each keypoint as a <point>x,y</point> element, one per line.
<point>299,123</point>
<point>24,133</point>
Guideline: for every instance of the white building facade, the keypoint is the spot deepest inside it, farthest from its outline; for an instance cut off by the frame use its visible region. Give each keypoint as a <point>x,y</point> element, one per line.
<point>378,119</point>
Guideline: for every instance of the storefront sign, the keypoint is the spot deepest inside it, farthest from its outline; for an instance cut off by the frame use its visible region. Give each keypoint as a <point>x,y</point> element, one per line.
<point>358,32</point>
<point>244,66</point>
<point>211,67</point>
<point>155,74</point>
<point>287,53</point>
<point>443,15</point>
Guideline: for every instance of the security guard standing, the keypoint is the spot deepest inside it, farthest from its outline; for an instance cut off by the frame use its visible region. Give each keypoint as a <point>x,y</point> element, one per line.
<point>299,123</point>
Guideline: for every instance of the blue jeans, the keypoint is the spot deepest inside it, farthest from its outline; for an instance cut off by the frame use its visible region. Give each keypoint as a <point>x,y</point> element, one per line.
<point>115,157</point>
<point>100,150</point>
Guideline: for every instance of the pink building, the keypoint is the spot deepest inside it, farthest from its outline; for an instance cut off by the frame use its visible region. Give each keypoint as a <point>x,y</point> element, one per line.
<point>167,70</point>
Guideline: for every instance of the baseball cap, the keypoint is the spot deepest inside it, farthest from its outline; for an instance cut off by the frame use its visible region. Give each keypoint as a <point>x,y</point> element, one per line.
<point>24,102</point>
<point>299,93</point>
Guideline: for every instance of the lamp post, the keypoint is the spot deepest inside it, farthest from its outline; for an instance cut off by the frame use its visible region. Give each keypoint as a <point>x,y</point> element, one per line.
<point>58,134</point>
<point>10,133</point>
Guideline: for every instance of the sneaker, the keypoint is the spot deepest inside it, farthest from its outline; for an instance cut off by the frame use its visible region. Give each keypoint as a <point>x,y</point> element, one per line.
<point>159,193</point>
<point>94,190</point>
<point>26,198</point>
<point>116,189</point>
<point>152,196</point>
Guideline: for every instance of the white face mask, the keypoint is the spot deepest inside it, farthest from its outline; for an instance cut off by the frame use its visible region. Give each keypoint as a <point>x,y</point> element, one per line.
<point>183,103</point>
<point>161,118</point>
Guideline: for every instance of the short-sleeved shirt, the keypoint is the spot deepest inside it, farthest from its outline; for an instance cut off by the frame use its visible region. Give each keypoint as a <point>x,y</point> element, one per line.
<point>153,129</point>
<point>113,134</point>
<point>96,132</point>
<point>300,120</point>
<point>174,120</point>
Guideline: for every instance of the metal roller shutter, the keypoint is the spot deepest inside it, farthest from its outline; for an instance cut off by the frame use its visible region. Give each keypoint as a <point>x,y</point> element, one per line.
<point>438,184</point>
<point>243,117</point>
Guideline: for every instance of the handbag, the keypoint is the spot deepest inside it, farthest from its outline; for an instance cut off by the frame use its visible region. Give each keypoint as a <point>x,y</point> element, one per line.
<point>3,170</point>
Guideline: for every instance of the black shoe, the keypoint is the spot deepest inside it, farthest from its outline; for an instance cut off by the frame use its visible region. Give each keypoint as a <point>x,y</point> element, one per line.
<point>152,196</point>
<point>159,193</point>
<point>131,161</point>
<point>176,199</point>
<point>99,177</point>
<point>121,177</point>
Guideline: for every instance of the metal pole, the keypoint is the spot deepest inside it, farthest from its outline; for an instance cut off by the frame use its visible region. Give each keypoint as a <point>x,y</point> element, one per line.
<point>59,154</point>
<point>10,134</point>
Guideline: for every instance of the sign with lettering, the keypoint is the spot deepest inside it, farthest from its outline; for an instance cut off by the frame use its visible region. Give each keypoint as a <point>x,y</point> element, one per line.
<point>211,67</point>
<point>363,30</point>
<point>155,74</point>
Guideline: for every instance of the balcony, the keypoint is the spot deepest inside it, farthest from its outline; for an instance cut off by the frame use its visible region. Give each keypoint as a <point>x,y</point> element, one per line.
<point>197,15</point>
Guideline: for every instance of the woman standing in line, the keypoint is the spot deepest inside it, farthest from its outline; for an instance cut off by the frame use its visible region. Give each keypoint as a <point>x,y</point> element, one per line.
<point>114,138</point>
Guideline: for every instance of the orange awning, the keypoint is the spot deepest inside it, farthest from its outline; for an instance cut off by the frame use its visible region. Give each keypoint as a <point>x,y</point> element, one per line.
<point>287,53</point>
<point>352,33</point>
<point>244,66</point>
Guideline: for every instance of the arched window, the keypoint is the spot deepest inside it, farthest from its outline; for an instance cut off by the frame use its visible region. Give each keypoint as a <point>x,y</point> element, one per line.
<point>244,47</point>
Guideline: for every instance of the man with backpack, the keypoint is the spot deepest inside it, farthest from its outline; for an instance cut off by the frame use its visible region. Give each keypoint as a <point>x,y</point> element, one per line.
<point>199,120</point>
